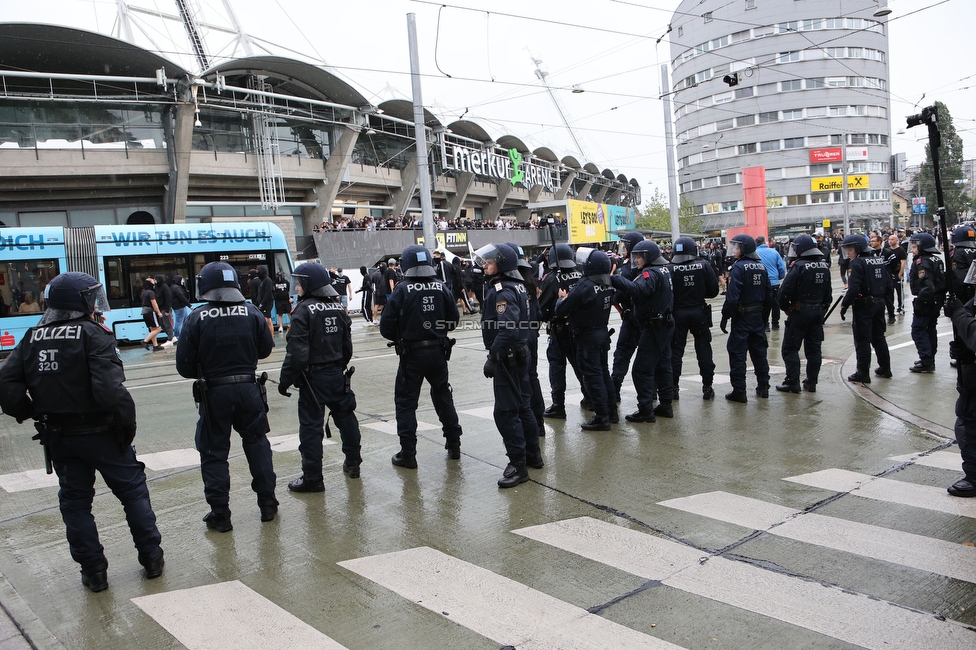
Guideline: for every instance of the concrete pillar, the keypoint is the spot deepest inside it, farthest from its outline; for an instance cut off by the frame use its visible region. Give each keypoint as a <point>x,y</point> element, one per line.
<point>584,191</point>
<point>601,193</point>
<point>613,198</point>
<point>182,146</point>
<point>408,185</point>
<point>456,201</point>
<point>495,205</point>
<point>564,188</point>
<point>536,192</point>
<point>326,191</point>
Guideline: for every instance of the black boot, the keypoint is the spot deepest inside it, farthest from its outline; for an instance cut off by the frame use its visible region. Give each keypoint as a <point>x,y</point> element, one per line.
<point>95,577</point>
<point>585,404</point>
<point>640,416</point>
<point>219,521</point>
<point>269,508</point>
<point>762,391</point>
<point>453,447</point>
<point>883,372</point>
<point>405,460</point>
<point>350,469</point>
<point>809,386</point>
<point>534,459</point>
<point>674,391</point>
<point>737,395</point>
<point>596,423</point>
<point>154,566</point>
<point>708,392</point>
<point>302,484</point>
<point>789,386</point>
<point>514,474</point>
<point>861,377</point>
<point>557,411</point>
<point>614,415</point>
<point>664,410</point>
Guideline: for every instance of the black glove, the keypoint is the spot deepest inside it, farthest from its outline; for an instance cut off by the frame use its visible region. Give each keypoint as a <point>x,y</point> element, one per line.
<point>489,368</point>
<point>843,313</point>
<point>952,305</point>
<point>724,325</point>
<point>283,389</point>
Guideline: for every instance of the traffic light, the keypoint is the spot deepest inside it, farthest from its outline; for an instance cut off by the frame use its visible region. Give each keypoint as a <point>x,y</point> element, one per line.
<point>731,79</point>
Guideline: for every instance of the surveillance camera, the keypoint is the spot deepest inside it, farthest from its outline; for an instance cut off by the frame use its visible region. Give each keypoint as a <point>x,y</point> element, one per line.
<point>198,124</point>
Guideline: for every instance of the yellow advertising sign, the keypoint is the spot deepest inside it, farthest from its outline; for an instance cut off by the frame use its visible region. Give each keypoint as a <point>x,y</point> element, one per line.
<point>826,223</point>
<point>587,222</point>
<point>858,182</point>
<point>827,184</point>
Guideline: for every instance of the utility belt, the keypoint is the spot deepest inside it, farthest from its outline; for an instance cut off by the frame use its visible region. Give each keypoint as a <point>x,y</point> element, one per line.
<point>79,425</point>
<point>231,379</point>
<point>868,301</point>
<point>403,346</point>
<point>520,354</point>
<point>748,309</point>
<point>658,320</point>
<point>325,364</point>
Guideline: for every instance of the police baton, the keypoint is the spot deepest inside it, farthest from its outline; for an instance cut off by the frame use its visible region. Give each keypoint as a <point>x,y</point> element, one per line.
<point>508,376</point>
<point>833,307</point>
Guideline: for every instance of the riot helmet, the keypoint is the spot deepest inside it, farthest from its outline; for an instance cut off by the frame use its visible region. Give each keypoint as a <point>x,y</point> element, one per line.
<point>925,242</point>
<point>313,279</point>
<point>964,237</point>
<point>73,295</point>
<point>649,252</point>
<point>523,262</point>
<point>415,261</point>
<point>630,240</point>
<point>562,257</point>
<point>595,264</point>
<point>857,243</point>
<point>745,245</point>
<point>685,250</point>
<point>806,246</point>
<point>218,282</point>
<point>504,257</point>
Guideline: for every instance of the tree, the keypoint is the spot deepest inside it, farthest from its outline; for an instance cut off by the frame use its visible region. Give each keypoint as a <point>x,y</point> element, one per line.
<point>656,214</point>
<point>950,168</point>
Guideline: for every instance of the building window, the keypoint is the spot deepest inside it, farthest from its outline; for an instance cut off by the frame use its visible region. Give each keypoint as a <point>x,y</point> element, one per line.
<point>726,152</point>
<point>819,170</point>
<point>750,4</point>
<point>722,98</point>
<point>837,138</point>
<point>724,125</point>
<point>792,143</point>
<point>730,206</point>
<point>772,116</point>
<point>814,23</point>
<point>745,120</point>
<point>793,84</point>
<point>769,145</point>
<point>795,114</point>
<point>760,32</point>
<point>836,82</point>
<point>728,179</point>
<point>776,172</point>
<point>681,31</point>
<point>767,89</point>
<point>711,181</point>
<point>816,82</point>
<point>817,111</point>
<point>796,199</point>
<point>820,197</point>
<point>787,57</point>
<point>859,138</point>
<point>791,26</point>
<point>696,184</point>
<point>817,140</point>
<point>795,172</point>
<point>838,111</point>
<point>741,93</point>
<point>707,16</point>
<point>747,148</point>
<point>744,35</point>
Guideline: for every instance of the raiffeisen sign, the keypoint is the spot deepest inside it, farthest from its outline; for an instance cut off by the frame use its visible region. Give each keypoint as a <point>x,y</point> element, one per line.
<point>510,167</point>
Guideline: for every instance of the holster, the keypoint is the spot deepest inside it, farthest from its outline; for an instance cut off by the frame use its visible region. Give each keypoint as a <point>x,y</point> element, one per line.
<point>46,434</point>
<point>448,344</point>
<point>261,381</point>
<point>347,376</point>
<point>707,311</point>
<point>201,398</point>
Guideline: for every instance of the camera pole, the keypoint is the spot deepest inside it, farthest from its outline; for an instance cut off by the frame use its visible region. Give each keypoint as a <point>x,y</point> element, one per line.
<point>930,117</point>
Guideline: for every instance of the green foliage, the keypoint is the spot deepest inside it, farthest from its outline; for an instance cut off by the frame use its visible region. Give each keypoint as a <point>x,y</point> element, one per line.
<point>950,167</point>
<point>656,214</point>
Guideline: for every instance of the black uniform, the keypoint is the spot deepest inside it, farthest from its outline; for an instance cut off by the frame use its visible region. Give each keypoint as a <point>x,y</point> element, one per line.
<point>692,283</point>
<point>746,296</point>
<point>418,317</point>
<point>561,348</point>
<point>866,287</point>
<point>587,308</point>
<point>960,259</point>
<point>653,302</point>
<point>74,375</point>
<point>804,297</point>
<point>927,282</point>
<point>223,341</point>
<point>318,350</point>
<point>962,350</point>
<point>504,331</point>
<point>630,330</point>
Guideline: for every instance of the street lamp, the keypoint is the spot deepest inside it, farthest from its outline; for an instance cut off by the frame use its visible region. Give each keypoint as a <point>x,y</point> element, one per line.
<point>883,9</point>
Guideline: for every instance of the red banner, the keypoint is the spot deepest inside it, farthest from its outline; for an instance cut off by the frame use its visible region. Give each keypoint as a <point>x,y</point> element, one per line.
<point>834,154</point>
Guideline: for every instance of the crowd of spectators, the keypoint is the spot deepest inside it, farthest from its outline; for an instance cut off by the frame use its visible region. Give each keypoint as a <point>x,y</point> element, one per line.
<point>415,222</point>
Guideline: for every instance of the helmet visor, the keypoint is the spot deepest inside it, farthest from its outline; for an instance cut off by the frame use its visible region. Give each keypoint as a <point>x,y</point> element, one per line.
<point>583,254</point>
<point>734,249</point>
<point>96,299</point>
<point>297,281</point>
<point>792,251</point>
<point>971,274</point>
<point>486,253</point>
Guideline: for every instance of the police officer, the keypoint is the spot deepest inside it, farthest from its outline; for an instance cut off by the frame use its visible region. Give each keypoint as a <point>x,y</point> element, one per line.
<point>504,330</point>
<point>653,301</point>
<point>537,402</point>
<point>221,344</point>
<point>804,297</point>
<point>418,317</point>
<point>587,308</point>
<point>562,276</point>
<point>746,298</point>
<point>66,373</point>
<point>693,281</point>
<point>630,330</point>
<point>927,282</point>
<point>962,349</point>
<point>319,347</point>
<point>961,257</point>
<point>867,285</point>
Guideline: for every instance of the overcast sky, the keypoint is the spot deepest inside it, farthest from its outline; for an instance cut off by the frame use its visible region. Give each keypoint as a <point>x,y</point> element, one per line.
<point>478,64</point>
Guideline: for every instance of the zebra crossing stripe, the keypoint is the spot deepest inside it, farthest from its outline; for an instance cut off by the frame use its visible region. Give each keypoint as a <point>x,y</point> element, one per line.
<point>162,460</point>
<point>831,611</point>
<point>494,606</point>
<point>939,459</point>
<point>897,547</point>
<point>887,490</point>
<point>230,615</point>
<point>31,479</point>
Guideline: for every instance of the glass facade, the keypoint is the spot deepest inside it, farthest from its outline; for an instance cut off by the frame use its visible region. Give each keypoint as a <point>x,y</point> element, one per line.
<point>80,125</point>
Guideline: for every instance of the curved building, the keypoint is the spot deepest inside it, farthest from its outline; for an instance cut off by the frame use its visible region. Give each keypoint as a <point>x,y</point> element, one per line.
<point>798,87</point>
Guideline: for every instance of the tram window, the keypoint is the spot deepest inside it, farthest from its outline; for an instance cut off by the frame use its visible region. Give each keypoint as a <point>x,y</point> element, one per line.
<point>244,262</point>
<point>282,264</point>
<point>134,270</point>
<point>22,285</point>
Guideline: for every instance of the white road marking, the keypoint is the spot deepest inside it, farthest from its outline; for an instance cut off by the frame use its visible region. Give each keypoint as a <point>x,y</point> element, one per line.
<point>897,547</point>
<point>486,412</point>
<point>230,615</point>
<point>32,479</point>
<point>494,606</point>
<point>390,426</point>
<point>949,460</point>
<point>888,490</point>
<point>912,343</point>
<point>171,459</point>
<point>840,614</point>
